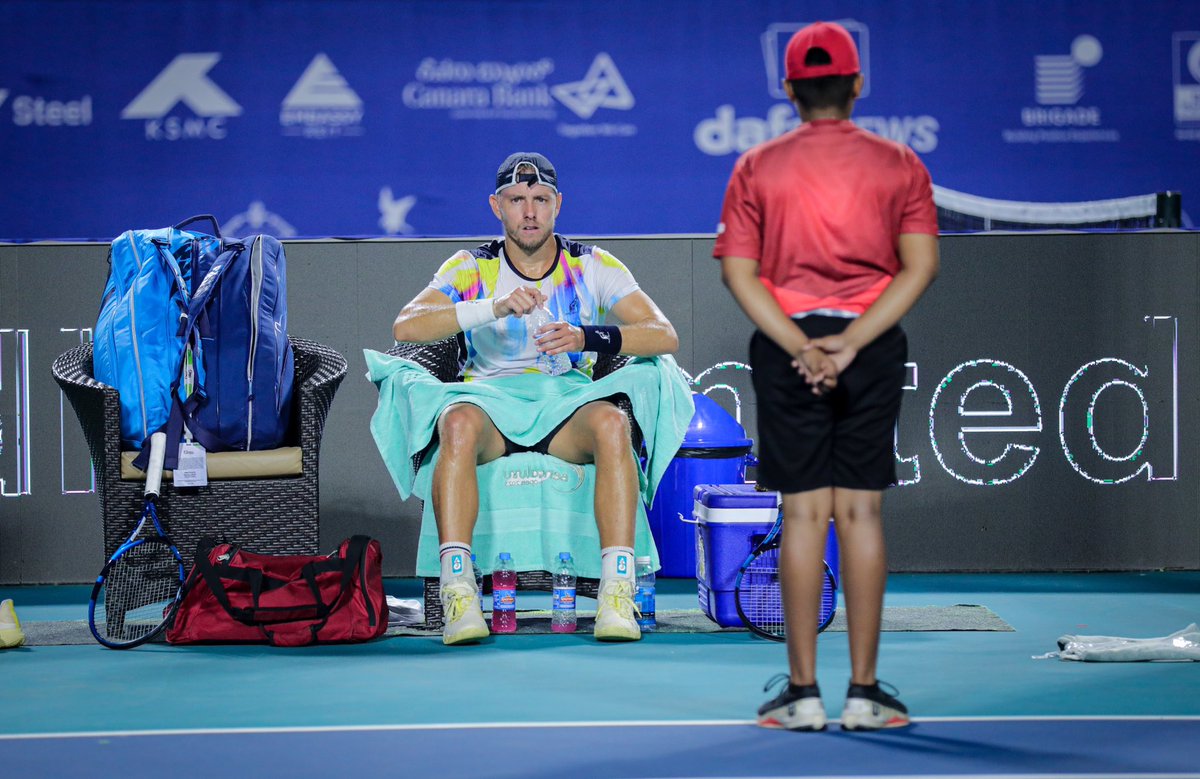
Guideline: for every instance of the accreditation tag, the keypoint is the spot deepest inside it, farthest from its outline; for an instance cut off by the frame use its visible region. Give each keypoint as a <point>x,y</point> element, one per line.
<point>192,470</point>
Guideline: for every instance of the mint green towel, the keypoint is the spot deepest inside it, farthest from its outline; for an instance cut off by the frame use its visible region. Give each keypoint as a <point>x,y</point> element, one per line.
<point>530,505</point>
<point>524,408</point>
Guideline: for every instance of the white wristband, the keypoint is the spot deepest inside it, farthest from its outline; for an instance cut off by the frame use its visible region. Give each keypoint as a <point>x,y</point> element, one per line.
<point>473,313</point>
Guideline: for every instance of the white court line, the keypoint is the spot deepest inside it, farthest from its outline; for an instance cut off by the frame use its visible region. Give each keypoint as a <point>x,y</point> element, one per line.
<point>573,724</point>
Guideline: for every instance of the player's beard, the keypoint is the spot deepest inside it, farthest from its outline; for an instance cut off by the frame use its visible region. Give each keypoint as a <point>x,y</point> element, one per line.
<point>529,247</point>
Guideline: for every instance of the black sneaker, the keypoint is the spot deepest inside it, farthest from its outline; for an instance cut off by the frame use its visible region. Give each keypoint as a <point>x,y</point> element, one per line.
<point>870,708</point>
<point>795,708</point>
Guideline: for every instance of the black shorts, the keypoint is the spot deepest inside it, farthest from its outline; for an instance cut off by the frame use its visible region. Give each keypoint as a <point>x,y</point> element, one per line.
<point>844,438</point>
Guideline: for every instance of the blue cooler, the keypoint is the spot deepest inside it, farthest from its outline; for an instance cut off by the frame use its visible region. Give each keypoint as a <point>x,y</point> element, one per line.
<point>714,451</point>
<point>731,519</point>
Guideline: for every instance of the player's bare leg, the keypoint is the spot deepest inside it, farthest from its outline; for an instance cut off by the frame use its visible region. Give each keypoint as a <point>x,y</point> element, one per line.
<point>599,432</point>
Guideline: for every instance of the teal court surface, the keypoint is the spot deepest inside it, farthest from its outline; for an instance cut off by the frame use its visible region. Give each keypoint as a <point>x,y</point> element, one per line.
<point>672,705</point>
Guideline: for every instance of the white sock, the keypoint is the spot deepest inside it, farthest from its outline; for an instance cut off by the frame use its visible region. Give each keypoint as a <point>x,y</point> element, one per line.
<point>616,562</point>
<point>456,561</point>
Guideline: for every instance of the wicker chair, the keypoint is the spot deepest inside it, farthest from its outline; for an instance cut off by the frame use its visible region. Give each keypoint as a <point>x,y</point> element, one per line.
<point>444,360</point>
<point>269,515</point>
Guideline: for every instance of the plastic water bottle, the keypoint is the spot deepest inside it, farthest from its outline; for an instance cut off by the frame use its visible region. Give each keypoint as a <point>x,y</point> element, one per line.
<point>478,574</point>
<point>553,364</point>
<point>562,618</point>
<point>504,595</point>
<point>645,594</point>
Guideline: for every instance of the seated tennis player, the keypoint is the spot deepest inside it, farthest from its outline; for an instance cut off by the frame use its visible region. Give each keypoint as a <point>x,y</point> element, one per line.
<point>511,401</point>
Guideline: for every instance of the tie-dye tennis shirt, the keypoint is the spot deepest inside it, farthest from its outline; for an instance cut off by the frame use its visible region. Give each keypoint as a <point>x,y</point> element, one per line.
<point>581,287</point>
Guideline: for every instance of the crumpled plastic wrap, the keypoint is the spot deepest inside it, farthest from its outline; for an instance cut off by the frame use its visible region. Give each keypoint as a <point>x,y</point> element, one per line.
<point>1181,645</point>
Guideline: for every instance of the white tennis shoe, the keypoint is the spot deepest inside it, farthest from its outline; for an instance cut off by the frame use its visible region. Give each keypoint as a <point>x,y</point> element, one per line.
<point>462,611</point>
<point>615,619</point>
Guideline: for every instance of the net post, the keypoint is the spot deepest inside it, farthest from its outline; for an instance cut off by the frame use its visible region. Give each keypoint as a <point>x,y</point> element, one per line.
<point>1169,210</point>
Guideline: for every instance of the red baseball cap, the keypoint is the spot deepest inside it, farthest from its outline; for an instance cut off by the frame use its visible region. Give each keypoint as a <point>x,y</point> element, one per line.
<point>828,36</point>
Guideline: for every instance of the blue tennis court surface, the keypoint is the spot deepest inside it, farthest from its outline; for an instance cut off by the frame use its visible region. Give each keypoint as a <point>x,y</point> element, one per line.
<point>1151,747</point>
<point>671,705</point>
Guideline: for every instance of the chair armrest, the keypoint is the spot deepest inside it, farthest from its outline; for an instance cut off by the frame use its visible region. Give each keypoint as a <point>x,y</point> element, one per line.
<point>443,359</point>
<point>97,406</point>
<point>319,372</point>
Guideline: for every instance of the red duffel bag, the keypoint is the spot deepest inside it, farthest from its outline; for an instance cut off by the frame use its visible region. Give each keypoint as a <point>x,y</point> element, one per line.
<point>236,596</point>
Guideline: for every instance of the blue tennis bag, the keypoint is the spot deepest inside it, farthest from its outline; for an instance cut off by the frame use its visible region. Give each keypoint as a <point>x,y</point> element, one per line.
<point>243,391</point>
<point>175,288</point>
<point>138,343</point>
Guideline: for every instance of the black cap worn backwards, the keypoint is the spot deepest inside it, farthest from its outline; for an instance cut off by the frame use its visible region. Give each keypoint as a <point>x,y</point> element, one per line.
<point>544,172</point>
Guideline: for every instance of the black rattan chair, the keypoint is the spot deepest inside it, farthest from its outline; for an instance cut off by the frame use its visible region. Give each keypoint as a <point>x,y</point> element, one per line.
<point>269,515</point>
<point>444,360</point>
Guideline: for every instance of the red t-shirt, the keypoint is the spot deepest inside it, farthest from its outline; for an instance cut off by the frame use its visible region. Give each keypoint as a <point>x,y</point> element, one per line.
<point>821,208</point>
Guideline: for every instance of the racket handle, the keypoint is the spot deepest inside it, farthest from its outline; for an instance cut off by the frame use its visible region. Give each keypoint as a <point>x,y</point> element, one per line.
<point>158,451</point>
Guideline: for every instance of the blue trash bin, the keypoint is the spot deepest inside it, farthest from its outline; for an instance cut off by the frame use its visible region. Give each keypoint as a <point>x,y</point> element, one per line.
<point>714,451</point>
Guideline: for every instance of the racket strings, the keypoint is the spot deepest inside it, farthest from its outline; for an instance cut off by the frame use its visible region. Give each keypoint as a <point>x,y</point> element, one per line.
<point>138,591</point>
<point>760,597</point>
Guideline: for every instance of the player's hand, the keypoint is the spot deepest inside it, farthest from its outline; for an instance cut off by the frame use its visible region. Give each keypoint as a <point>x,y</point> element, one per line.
<point>559,337</point>
<point>519,302</point>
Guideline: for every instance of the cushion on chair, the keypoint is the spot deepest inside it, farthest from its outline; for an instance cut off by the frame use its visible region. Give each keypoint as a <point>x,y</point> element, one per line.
<point>265,463</point>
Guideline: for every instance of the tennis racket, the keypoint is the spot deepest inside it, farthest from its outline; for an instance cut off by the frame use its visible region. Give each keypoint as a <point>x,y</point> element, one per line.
<point>757,595</point>
<point>136,594</point>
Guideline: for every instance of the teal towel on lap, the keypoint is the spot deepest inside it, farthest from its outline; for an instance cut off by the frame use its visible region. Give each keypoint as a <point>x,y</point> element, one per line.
<point>525,408</point>
<point>534,506</point>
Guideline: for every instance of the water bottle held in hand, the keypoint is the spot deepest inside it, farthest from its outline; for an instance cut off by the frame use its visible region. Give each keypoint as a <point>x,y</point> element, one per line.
<point>504,595</point>
<point>562,619</point>
<point>553,364</point>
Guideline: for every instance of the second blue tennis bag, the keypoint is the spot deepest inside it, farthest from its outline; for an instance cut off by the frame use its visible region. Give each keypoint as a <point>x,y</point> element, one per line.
<point>243,389</point>
<point>140,333</point>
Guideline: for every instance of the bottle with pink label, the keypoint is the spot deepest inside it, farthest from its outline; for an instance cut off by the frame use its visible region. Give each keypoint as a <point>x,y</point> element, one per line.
<point>504,595</point>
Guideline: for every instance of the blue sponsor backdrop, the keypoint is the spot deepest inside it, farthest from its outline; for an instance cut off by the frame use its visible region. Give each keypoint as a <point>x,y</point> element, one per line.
<point>381,118</point>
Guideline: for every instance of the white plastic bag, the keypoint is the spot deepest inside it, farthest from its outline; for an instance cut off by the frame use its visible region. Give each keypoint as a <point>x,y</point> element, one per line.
<point>1181,645</point>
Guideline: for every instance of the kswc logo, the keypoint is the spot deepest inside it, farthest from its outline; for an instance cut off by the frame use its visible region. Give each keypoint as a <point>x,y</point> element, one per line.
<point>185,81</point>
<point>321,104</point>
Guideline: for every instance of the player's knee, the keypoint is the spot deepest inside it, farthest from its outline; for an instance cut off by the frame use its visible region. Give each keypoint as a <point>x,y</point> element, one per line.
<point>459,427</point>
<point>610,428</point>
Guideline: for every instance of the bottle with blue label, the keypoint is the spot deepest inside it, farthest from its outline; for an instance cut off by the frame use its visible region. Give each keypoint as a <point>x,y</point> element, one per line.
<point>478,574</point>
<point>644,597</point>
<point>562,618</point>
<point>504,595</point>
<point>553,364</point>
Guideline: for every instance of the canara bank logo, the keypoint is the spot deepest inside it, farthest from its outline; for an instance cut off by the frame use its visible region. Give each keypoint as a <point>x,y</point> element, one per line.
<point>602,87</point>
<point>185,80</point>
<point>774,44</point>
<point>394,213</point>
<point>255,218</point>
<point>321,104</point>
<point>1186,76</point>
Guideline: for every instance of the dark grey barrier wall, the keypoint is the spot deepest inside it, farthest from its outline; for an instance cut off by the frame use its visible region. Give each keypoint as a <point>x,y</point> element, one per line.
<point>1050,417</point>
